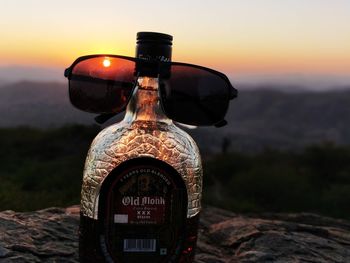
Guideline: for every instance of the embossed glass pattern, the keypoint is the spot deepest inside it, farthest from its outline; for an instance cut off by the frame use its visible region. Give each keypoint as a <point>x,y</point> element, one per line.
<point>144,132</point>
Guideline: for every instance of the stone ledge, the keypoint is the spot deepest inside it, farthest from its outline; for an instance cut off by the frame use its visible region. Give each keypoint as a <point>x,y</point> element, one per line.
<point>50,235</point>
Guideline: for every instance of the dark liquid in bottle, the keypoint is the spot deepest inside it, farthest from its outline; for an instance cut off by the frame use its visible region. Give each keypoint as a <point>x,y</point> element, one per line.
<point>90,250</point>
<point>142,217</point>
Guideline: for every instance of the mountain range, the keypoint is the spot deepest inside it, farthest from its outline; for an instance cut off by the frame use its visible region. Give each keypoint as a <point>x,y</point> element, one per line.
<point>261,117</point>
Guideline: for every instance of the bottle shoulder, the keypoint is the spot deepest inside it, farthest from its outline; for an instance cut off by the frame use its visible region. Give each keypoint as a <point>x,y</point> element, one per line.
<point>143,137</point>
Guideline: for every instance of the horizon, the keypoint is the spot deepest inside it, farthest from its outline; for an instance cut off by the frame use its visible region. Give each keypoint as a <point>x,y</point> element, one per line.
<point>15,74</point>
<point>252,42</point>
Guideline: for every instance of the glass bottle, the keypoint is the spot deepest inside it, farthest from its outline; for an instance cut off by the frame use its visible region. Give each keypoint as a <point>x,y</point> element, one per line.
<point>142,180</point>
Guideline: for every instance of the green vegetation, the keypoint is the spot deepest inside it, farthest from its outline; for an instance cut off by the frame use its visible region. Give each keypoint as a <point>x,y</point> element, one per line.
<point>42,168</point>
<point>315,180</point>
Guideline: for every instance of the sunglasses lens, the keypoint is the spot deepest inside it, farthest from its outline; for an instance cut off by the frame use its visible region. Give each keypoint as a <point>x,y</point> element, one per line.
<point>102,84</point>
<point>195,96</point>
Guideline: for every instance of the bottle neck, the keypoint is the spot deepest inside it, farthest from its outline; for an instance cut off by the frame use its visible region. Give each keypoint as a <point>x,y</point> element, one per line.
<point>144,104</point>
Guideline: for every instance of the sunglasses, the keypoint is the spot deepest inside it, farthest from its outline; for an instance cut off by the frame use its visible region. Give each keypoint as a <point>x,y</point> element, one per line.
<point>189,94</point>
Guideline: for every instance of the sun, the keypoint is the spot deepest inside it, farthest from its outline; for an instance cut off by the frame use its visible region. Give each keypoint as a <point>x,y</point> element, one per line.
<point>106,62</point>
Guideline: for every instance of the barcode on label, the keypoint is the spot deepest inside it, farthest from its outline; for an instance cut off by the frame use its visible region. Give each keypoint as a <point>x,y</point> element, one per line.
<point>139,245</point>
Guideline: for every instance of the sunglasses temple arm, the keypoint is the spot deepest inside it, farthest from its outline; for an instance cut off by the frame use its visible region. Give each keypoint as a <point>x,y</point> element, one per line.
<point>102,118</point>
<point>220,124</point>
<point>233,93</point>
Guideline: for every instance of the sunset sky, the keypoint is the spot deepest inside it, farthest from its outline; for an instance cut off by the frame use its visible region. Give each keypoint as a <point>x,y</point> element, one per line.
<point>240,38</point>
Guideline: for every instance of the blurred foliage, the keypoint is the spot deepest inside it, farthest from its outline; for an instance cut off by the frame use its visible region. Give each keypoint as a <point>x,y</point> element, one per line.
<point>42,168</point>
<point>315,180</point>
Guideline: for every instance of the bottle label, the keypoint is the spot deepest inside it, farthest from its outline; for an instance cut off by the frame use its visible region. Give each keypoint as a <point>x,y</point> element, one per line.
<point>145,212</point>
<point>142,197</point>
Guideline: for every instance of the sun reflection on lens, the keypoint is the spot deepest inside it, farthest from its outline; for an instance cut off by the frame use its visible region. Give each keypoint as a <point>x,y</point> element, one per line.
<point>106,62</point>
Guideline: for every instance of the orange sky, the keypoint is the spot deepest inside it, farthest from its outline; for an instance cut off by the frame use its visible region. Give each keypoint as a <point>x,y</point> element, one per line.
<point>237,37</point>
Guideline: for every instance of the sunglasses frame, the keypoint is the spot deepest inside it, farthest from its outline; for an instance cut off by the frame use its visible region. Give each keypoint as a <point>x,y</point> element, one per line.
<point>153,64</point>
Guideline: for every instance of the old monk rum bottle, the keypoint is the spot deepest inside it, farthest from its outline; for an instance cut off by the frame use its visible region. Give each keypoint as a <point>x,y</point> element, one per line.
<point>142,181</point>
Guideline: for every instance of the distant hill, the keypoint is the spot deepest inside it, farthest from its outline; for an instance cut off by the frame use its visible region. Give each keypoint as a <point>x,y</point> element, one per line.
<point>259,118</point>
<point>38,104</point>
<point>16,73</point>
<point>271,119</point>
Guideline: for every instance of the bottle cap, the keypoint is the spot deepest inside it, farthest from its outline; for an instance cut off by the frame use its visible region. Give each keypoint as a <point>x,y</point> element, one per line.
<point>155,37</point>
<point>154,46</point>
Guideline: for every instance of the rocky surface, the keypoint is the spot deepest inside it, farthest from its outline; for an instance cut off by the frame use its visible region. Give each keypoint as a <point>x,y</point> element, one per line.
<point>50,235</point>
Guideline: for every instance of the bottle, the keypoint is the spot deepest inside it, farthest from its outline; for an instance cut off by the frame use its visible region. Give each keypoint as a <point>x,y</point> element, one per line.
<point>142,184</point>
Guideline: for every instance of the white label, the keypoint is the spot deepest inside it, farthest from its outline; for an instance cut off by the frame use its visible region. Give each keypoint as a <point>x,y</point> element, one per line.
<point>162,251</point>
<point>139,245</point>
<point>121,218</point>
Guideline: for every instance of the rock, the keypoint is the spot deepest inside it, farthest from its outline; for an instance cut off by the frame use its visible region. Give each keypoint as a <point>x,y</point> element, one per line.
<point>50,235</point>
<point>226,237</point>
